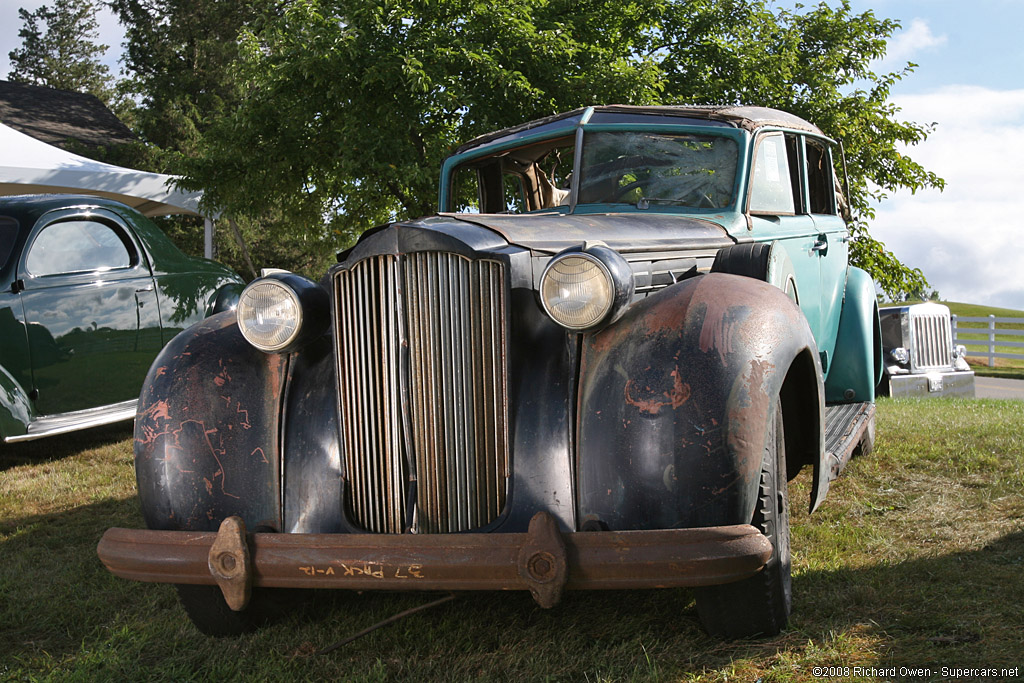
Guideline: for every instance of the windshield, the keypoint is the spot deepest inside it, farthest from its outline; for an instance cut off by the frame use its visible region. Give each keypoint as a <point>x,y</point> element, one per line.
<point>690,170</point>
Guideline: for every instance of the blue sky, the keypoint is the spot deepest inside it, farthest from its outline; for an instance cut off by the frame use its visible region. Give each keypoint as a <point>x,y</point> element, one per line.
<point>970,81</point>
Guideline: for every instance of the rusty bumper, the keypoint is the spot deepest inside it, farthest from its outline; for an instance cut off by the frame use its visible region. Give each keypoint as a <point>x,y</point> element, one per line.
<point>544,560</point>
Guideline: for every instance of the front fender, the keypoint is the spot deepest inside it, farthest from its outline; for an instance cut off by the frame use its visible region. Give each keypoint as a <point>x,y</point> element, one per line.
<point>676,398</point>
<point>207,433</point>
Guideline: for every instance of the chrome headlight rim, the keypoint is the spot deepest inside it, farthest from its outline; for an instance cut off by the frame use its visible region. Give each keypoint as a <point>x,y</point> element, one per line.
<point>618,279</point>
<point>247,310</point>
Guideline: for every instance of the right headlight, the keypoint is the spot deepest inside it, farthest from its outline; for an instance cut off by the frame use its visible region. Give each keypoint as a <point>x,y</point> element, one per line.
<point>586,287</point>
<point>279,312</point>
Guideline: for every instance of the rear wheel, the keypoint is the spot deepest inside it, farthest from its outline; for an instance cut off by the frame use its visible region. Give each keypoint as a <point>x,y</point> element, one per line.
<point>759,605</point>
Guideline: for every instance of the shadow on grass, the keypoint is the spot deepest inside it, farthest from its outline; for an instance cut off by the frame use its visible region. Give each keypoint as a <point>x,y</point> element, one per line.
<point>54,448</point>
<point>61,611</point>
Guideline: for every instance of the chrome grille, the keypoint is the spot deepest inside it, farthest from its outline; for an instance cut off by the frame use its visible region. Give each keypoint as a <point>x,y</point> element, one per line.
<point>449,434</point>
<point>932,340</point>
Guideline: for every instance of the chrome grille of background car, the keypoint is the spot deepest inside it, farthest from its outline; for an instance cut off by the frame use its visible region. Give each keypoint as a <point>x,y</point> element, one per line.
<point>449,311</point>
<point>932,343</point>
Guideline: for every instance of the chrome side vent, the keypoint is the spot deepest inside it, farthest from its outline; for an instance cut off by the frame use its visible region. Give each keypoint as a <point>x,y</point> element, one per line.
<point>449,436</point>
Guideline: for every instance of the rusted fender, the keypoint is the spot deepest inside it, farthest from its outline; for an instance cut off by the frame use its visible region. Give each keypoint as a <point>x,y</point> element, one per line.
<point>207,431</point>
<point>675,399</point>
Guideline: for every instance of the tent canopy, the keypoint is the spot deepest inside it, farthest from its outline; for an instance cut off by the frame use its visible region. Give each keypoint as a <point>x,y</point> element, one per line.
<point>28,166</point>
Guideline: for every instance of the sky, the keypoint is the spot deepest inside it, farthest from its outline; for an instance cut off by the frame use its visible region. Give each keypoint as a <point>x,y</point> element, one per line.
<point>969,81</point>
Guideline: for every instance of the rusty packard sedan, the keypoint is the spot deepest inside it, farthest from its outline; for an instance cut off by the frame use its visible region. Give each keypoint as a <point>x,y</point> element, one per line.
<point>90,291</point>
<point>596,368</point>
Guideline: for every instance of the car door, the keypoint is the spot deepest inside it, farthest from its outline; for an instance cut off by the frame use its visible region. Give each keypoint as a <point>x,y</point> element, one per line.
<point>777,213</point>
<point>91,311</point>
<point>832,241</point>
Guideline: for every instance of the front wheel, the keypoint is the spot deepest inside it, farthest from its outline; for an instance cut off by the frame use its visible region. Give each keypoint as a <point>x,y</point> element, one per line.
<point>759,605</point>
<point>206,608</point>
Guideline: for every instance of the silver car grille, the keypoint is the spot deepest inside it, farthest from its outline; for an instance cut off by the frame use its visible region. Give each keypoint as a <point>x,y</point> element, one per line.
<point>931,340</point>
<point>422,368</point>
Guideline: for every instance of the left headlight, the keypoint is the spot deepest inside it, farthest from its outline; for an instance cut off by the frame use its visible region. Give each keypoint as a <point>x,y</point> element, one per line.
<point>586,287</point>
<point>281,311</point>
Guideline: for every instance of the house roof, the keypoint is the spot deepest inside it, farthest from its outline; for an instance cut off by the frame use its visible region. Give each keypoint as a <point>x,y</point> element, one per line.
<point>57,116</point>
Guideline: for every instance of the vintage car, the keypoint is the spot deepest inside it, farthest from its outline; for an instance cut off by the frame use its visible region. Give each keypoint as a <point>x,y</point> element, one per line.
<point>919,357</point>
<point>90,291</point>
<point>596,368</point>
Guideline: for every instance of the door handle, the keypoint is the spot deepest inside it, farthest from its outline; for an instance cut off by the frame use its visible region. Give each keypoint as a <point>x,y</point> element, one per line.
<point>821,245</point>
<point>144,289</point>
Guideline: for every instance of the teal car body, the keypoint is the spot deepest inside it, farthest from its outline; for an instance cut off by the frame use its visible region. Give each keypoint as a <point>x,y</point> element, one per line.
<point>90,291</point>
<point>781,192</point>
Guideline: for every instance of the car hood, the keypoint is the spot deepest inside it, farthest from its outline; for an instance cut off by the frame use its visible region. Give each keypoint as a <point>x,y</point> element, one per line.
<point>623,232</point>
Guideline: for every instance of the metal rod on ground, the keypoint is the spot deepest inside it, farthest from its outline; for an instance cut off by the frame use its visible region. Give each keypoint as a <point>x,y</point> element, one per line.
<point>389,620</point>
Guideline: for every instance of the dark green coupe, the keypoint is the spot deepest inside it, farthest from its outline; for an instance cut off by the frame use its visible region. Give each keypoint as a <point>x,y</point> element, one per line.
<point>90,291</point>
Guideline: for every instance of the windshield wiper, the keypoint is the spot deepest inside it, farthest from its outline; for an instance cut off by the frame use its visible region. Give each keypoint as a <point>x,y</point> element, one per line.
<point>645,202</point>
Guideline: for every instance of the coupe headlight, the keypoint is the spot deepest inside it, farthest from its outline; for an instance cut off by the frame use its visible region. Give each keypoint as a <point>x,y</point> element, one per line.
<point>583,288</point>
<point>278,312</point>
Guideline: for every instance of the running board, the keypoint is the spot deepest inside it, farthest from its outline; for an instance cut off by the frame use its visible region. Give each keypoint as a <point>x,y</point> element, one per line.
<point>849,431</point>
<point>61,423</point>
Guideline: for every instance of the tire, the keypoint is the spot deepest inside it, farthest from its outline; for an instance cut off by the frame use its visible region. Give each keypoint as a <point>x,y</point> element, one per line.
<point>759,605</point>
<point>207,610</point>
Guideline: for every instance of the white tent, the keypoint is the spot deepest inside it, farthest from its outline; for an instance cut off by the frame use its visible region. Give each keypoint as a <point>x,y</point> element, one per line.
<point>29,166</point>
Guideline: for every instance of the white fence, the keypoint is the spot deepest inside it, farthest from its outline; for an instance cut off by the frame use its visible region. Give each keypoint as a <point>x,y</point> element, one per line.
<point>968,336</point>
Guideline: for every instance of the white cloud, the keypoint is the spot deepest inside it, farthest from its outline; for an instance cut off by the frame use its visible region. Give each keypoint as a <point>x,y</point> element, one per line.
<point>968,240</point>
<point>912,40</point>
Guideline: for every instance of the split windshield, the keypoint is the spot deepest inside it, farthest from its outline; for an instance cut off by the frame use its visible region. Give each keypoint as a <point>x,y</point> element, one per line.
<point>640,168</point>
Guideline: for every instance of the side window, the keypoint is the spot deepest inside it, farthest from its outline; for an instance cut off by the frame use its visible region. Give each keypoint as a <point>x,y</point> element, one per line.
<point>514,194</point>
<point>466,191</point>
<point>820,179</point>
<point>76,247</point>
<point>771,186</point>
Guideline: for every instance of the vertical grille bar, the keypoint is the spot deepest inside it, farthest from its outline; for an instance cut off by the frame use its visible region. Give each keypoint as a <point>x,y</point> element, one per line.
<point>451,311</point>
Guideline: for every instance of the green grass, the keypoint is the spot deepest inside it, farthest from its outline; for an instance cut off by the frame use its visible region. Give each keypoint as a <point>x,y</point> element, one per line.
<point>916,559</point>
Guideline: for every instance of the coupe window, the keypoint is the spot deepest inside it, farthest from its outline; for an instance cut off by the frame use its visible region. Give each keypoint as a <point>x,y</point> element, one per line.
<point>76,247</point>
<point>641,168</point>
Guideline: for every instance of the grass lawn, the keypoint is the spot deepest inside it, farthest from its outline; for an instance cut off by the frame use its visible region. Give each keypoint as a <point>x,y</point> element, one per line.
<point>916,560</point>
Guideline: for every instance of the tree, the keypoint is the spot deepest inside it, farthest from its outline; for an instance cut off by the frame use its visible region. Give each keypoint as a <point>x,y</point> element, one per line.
<point>59,49</point>
<point>351,105</point>
<point>179,57</point>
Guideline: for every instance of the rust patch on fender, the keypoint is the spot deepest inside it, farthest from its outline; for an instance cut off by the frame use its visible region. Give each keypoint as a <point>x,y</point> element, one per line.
<point>675,397</point>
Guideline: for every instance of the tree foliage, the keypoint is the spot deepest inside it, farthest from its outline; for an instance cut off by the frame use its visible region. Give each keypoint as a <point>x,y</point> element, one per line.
<point>58,49</point>
<point>350,106</point>
<point>180,56</point>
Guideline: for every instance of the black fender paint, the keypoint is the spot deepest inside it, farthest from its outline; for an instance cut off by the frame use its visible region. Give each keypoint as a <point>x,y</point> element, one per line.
<point>207,434</point>
<point>676,397</point>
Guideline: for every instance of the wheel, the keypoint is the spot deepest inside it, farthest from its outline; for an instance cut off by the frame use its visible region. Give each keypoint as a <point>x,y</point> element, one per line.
<point>207,610</point>
<point>759,605</point>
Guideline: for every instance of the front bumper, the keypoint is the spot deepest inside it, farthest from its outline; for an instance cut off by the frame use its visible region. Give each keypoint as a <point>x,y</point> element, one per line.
<point>543,560</point>
<point>934,384</point>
